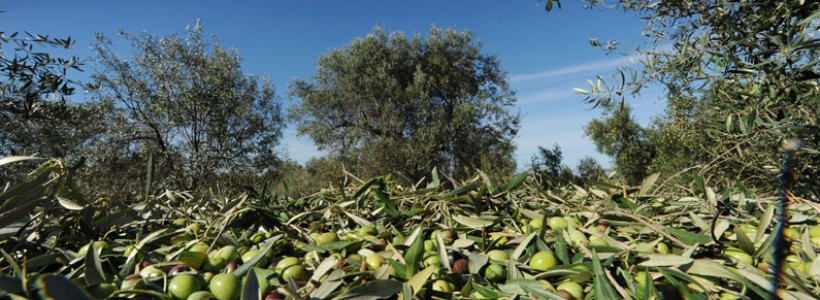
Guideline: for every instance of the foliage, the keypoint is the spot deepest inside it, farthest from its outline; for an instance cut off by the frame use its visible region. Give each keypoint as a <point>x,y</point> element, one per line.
<point>590,170</point>
<point>549,168</point>
<point>740,77</point>
<point>393,103</point>
<point>186,101</point>
<point>35,116</point>
<point>32,76</point>
<point>478,240</point>
<point>619,136</point>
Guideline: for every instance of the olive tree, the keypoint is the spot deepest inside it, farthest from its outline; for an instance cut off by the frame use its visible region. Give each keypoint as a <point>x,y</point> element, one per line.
<point>186,101</point>
<point>394,103</point>
<point>740,77</point>
<point>36,116</point>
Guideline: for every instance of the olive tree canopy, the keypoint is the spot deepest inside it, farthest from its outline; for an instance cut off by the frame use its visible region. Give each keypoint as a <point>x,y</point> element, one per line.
<point>394,103</point>
<point>188,102</point>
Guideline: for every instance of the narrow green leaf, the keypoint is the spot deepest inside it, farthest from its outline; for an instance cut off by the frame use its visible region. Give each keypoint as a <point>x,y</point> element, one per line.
<point>365,186</point>
<point>373,290</point>
<point>69,204</point>
<point>744,243</point>
<point>648,183</point>
<point>241,270</point>
<point>93,267</point>
<point>488,183</point>
<point>665,260</point>
<point>327,264</point>
<point>523,246</point>
<point>357,219</point>
<point>476,261</point>
<point>12,159</point>
<point>516,182</point>
<point>328,286</point>
<point>464,189</point>
<point>419,279</point>
<point>250,291</point>
<point>442,252</point>
<point>14,266</point>
<point>475,222</point>
<point>487,291</point>
<point>414,254</point>
<point>58,288</point>
<point>601,286</point>
<point>688,237</point>
<point>765,221</point>
<point>561,249</point>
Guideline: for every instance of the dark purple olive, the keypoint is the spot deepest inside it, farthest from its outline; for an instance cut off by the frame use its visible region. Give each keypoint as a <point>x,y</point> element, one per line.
<point>461,266</point>
<point>716,250</point>
<point>379,245</point>
<point>132,277</point>
<point>274,295</point>
<point>273,264</point>
<point>178,269</point>
<point>146,263</point>
<point>233,265</point>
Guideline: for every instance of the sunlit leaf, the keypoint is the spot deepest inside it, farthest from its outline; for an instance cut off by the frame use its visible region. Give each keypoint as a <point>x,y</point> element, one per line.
<point>376,289</point>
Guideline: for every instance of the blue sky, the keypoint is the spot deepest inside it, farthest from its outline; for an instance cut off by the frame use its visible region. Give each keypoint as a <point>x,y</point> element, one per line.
<point>544,54</point>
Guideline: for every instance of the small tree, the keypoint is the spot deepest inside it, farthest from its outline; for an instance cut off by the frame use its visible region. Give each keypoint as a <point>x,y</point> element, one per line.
<point>188,102</point>
<point>590,170</point>
<point>549,168</point>
<point>389,103</point>
<point>619,136</point>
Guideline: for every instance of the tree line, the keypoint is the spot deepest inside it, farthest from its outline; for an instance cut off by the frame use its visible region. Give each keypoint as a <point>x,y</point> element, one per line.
<point>180,111</point>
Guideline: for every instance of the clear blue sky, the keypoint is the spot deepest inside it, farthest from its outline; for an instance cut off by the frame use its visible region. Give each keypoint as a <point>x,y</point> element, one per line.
<point>544,54</point>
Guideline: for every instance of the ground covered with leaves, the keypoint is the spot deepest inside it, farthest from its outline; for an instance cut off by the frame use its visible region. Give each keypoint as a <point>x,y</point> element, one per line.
<point>377,239</point>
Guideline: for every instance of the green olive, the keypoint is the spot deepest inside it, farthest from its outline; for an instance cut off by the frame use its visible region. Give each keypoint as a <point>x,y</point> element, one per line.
<point>814,231</point>
<point>578,238</point>
<point>543,260</point>
<point>738,254</point>
<point>250,254</point>
<point>225,286</point>
<point>495,272</point>
<point>597,241</point>
<point>151,271</point>
<point>326,238</point>
<point>374,261</point>
<point>368,230</point>
<point>199,247</point>
<point>103,290</point>
<point>432,260</point>
<point>499,240</point>
<point>443,286</point>
<point>429,245</point>
<point>297,273</point>
<point>498,255</point>
<point>201,295</point>
<point>557,223</point>
<point>183,285</point>
<point>536,223</point>
<point>286,262</point>
<point>662,248</point>
<point>573,288</point>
